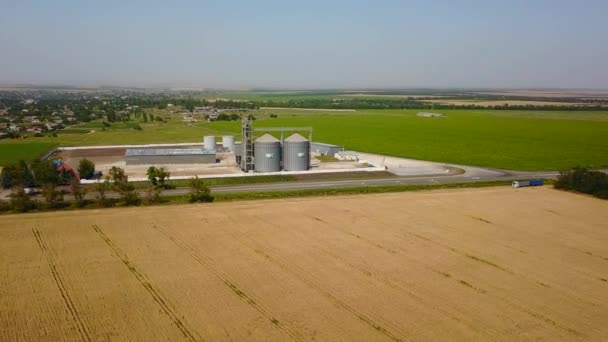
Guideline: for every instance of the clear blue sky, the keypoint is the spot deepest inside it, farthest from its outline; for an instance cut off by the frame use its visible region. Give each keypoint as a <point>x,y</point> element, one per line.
<point>306,44</point>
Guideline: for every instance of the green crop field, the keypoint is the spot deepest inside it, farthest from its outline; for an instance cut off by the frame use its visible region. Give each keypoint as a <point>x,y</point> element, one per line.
<point>500,139</point>
<point>12,151</point>
<point>518,140</point>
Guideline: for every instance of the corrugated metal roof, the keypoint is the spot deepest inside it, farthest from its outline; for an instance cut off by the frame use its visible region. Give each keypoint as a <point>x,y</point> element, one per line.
<point>166,151</point>
<point>266,138</point>
<point>324,144</point>
<point>296,138</point>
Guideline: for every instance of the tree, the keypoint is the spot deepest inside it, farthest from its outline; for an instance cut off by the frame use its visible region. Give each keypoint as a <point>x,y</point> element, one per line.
<point>153,175</point>
<point>199,191</point>
<point>9,176</point>
<point>78,191</point>
<point>25,175</point>
<point>121,185</point>
<point>101,188</point>
<point>117,175</point>
<point>158,176</point>
<point>44,172</point>
<point>593,182</point>
<point>52,197</point>
<point>86,168</point>
<point>163,175</point>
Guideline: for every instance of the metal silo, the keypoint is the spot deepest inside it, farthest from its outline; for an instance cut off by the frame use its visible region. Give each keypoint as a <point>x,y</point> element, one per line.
<point>238,149</point>
<point>228,142</point>
<point>209,142</point>
<point>267,154</point>
<point>296,153</point>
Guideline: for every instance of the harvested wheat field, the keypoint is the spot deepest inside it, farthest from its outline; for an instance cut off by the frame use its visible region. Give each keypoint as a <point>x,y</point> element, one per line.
<point>461,265</point>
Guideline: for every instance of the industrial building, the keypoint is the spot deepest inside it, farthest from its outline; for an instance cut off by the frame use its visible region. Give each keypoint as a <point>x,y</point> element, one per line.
<point>325,149</point>
<point>162,156</point>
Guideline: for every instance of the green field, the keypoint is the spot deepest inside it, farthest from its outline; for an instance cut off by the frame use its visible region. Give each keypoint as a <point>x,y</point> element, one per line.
<point>500,139</point>
<point>518,140</point>
<point>12,151</point>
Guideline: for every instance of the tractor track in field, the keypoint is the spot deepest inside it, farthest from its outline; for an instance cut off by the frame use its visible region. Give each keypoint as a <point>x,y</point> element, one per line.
<point>389,283</point>
<point>60,282</point>
<point>190,251</point>
<point>147,285</point>
<point>501,298</point>
<point>307,278</point>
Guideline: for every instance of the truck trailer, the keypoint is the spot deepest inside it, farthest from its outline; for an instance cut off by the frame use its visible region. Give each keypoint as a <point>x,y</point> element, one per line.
<point>523,184</point>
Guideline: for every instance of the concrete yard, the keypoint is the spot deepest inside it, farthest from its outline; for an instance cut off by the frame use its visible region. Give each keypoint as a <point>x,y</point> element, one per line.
<point>496,264</point>
<point>106,157</point>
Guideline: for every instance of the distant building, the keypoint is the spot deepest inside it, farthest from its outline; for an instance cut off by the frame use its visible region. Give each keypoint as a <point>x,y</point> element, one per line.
<point>430,115</point>
<point>162,156</point>
<point>326,149</point>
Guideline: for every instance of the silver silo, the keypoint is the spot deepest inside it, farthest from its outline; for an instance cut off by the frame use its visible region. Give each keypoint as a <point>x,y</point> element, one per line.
<point>296,153</point>
<point>267,154</point>
<point>228,142</point>
<point>209,142</point>
<point>238,149</point>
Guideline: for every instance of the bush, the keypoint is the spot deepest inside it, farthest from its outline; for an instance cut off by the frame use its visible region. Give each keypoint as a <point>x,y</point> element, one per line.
<point>4,206</point>
<point>78,192</point>
<point>584,180</point>
<point>86,168</point>
<point>153,195</point>
<point>130,197</point>
<point>53,198</point>
<point>20,201</point>
<point>199,191</point>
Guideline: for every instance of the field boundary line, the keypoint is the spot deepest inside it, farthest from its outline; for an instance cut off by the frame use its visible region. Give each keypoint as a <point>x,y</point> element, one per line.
<point>185,247</point>
<point>253,245</point>
<point>145,282</point>
<point>65,295</point>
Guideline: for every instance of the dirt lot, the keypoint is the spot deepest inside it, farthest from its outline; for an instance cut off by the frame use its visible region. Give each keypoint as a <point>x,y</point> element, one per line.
<point>462,265</point>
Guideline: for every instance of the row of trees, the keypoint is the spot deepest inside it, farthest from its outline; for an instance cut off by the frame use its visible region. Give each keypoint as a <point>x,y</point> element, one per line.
<point>587,181</point>
<point>40,173</point>
<point>404,103</point>
<point>115,189</point>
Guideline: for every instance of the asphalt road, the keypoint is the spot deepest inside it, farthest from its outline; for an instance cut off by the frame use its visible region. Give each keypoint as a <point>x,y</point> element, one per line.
<point>373,182</point>
<point>476,175</point>
<point>304,185</point>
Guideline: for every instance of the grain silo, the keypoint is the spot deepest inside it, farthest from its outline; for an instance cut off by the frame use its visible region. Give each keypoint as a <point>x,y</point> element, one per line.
<point>238,152</point>
<point>209,142</point>
<point>267,154</point>
<point>228,143</point>
<point>296,153</point>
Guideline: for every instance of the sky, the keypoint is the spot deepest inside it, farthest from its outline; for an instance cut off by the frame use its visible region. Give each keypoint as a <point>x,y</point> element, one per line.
<point>306,44</point>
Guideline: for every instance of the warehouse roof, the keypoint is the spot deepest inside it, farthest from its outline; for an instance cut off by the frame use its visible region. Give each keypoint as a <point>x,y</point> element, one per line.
<point>167,151</point>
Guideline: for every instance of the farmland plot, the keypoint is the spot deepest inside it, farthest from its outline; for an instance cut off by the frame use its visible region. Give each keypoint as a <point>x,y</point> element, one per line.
<point>483,264</point>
